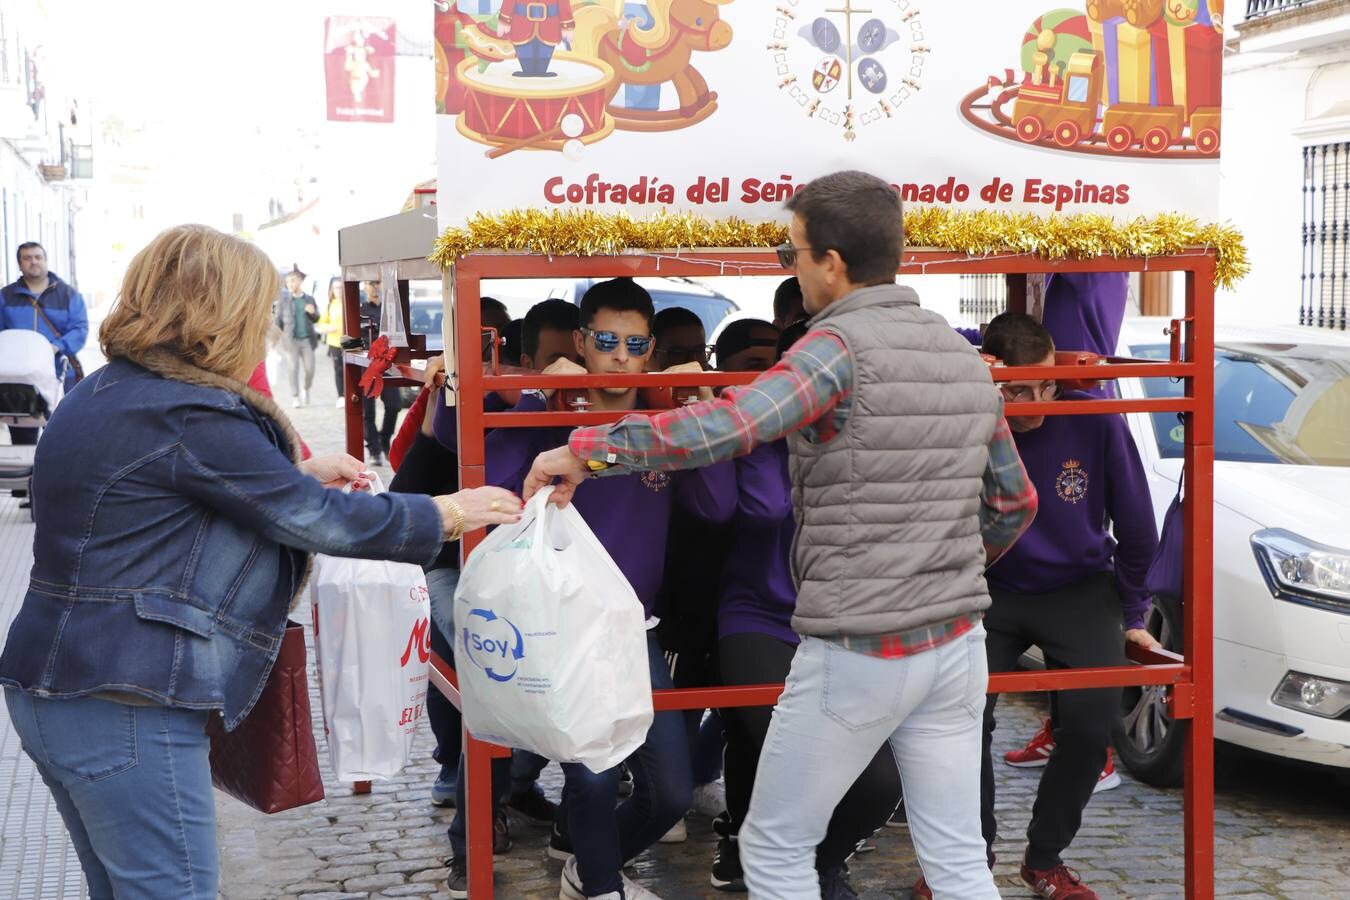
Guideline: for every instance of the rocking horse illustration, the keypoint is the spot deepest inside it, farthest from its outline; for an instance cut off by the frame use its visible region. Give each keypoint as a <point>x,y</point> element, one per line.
<point>652,51</point>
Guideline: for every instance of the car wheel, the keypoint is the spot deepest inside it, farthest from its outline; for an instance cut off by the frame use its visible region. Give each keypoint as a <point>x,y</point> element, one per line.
<point>1148,741</point>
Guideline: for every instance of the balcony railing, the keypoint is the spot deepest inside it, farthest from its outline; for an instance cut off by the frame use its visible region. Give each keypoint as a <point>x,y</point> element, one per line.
<point>1258,8</point>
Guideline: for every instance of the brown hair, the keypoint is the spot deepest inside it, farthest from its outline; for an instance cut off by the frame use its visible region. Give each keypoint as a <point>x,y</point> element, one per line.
<point>857,215</point>
<point>198,294</point>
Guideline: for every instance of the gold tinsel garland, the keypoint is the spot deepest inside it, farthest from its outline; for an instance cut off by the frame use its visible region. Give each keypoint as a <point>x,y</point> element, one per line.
<point>1087,236</point>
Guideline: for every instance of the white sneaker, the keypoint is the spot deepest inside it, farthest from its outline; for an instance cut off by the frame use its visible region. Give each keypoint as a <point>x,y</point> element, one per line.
<point>678,834</point>
<point>570,887</point>
<point>710,799</point>
<point>340,403</point>
<point>304,398</point>
<point>295,402</point>
<point>634,891</point>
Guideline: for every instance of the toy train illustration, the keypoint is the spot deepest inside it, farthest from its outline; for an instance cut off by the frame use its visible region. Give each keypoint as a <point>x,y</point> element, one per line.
<point>1068,110</point>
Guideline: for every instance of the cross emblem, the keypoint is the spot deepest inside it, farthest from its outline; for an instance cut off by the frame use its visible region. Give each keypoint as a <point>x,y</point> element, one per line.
<point>848,12</point>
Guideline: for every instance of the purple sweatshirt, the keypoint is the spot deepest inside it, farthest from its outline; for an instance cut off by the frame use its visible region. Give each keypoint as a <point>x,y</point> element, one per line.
<point>1084,310</point>
<point>1091,482</point>
<point>758,594</point>
<point>630,514</point>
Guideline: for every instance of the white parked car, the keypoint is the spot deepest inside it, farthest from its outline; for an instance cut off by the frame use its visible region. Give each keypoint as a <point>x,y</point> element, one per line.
<point>1281,545</point>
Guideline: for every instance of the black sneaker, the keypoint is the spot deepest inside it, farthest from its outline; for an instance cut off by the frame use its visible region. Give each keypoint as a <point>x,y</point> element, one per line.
<point>534,805</point>
<point>726,868</point>
<point>834,885</point>
<point>559,847</point>
<point>457,885</point>
<point>501,833</point>
<point>625,781</point>
<point>721,825</point>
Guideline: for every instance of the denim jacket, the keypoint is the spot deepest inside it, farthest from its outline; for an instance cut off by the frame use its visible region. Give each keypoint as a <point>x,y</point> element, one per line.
<point>173,537</point>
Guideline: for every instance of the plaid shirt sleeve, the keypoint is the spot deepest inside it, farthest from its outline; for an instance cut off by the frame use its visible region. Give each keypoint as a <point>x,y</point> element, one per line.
<point>804,388</point>
<point>1008,498</point>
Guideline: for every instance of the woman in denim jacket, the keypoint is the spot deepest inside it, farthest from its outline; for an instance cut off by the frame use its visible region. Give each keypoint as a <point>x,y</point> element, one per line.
<point>174,531</point>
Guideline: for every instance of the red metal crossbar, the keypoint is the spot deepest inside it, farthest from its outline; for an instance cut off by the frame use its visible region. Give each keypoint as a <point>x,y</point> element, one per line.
<point>1190,676</point>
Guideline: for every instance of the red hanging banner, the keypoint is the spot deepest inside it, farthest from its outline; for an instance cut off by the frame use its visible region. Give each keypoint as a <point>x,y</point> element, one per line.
<point>359,68</point>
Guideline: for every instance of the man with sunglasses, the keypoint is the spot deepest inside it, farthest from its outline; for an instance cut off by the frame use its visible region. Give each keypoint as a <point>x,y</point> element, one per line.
<point>905,485</point>
<point>1073,586</point>
<point>631,518</point>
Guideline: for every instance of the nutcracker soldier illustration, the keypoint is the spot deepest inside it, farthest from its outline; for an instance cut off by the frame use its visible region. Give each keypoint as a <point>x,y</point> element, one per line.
<point>536,29</point>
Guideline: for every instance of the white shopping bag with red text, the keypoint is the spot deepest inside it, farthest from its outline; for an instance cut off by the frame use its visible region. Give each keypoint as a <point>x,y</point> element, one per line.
<point>551,642</point>
<point>372,642</point>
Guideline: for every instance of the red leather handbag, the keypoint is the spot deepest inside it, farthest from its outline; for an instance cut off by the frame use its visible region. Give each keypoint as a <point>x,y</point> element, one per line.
<point>270,762</point>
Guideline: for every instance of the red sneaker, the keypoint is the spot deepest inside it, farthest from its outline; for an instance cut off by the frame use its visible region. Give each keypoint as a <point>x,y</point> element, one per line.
<point>1108,779</point>
<point>921,890</point>
<point>1036,752</point>
<point>1061,883</point>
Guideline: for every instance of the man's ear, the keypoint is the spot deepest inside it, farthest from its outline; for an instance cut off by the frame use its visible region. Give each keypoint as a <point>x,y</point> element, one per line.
<point>579,343</point>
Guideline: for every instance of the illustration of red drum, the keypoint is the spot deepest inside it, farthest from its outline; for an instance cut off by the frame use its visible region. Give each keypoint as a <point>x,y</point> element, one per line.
<point>536,113</point>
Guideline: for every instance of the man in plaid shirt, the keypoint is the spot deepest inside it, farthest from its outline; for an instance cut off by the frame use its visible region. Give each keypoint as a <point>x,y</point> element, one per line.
<point>903,469</point>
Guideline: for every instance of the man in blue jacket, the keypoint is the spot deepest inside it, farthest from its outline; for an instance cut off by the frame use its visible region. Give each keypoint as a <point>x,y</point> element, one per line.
<point>39,301</point>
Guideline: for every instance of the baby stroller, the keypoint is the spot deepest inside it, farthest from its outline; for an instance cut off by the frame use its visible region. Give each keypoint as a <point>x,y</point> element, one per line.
<point>30,388</point>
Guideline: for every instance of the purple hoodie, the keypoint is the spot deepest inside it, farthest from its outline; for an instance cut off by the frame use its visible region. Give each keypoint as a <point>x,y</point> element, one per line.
<point>1091,483</point>
<point>758,593</point>
<point>630,514</point>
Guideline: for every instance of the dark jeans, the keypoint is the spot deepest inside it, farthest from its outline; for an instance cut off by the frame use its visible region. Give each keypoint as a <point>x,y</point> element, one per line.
<point>605,836</point>
<point>23,437</point>
<point>696,670</point>
<point>760,659</point>
<point>335,354</point>
<point>377,440</point>
<point>1075,627</point>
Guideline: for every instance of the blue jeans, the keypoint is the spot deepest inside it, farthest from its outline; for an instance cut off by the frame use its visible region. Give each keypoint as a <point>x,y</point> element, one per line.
<point>133,785</point>
<point>837,709</point>
<point>604,836</point>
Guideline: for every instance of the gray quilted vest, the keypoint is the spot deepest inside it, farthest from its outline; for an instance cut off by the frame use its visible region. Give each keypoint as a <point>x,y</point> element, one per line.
<point>888,531</point>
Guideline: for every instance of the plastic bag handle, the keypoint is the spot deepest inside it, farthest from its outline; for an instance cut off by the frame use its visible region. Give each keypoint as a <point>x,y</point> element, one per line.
<point>376,485</point>
<point>541,521</point>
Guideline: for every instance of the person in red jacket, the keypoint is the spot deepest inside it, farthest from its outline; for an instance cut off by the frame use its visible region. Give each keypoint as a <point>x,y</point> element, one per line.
<point>536,29</point>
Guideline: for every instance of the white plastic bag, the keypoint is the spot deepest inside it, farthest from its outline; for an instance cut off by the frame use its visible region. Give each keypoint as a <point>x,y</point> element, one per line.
<point>372,643</point>
<point>551,642</point>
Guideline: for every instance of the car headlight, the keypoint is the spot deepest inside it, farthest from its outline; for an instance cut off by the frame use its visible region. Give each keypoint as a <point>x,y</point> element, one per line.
<point>1303,571</point>
<point>1310,694</point>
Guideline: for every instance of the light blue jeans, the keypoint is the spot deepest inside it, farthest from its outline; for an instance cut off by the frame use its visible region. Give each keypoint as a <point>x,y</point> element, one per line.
<point>133,785</point>
<point>837,709</point>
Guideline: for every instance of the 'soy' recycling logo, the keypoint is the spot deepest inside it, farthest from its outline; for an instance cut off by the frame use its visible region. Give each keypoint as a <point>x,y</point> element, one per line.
<point>493,644</point>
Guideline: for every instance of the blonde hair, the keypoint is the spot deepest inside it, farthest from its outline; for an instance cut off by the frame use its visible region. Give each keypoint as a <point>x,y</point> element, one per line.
<point>198,294</point>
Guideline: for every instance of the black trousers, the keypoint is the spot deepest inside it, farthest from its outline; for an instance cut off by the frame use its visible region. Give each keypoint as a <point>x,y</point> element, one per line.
<point>760,659</point>
<point>335,354</point>
<point>1075,627</point>
<point>377,439</point>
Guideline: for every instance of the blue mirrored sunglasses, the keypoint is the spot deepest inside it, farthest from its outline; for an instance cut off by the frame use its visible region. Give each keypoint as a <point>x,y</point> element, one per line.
<point>608,342</point>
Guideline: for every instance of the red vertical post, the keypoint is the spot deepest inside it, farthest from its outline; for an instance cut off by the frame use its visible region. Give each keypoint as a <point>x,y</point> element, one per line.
<point>477,755</point>
<point>1198,593</point>
<point>353,411</point>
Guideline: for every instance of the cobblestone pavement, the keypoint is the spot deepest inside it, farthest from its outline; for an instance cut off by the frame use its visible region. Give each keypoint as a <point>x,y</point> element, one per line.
<point>1283,831</point>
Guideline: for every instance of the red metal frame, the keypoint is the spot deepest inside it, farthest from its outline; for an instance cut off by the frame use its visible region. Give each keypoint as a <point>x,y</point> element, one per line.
<point>1190,675</point>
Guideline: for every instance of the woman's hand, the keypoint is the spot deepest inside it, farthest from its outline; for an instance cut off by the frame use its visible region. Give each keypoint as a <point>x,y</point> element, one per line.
<point>337,470</point>
<point>434,374</point>
<point>475,508</point>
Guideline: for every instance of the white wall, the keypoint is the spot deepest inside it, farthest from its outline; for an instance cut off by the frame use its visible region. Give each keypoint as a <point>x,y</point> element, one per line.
<point>32,210</point>
<point>1265,118</point>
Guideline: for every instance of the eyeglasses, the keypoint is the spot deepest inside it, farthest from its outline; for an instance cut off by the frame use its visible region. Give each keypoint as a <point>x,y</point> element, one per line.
<point>608,342</point>
<point>1028,393</point>
<point>787,255</point>
<point>676,355</point>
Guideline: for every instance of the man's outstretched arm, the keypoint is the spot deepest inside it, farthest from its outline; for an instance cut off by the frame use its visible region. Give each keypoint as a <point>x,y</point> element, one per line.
<point>804,387</point>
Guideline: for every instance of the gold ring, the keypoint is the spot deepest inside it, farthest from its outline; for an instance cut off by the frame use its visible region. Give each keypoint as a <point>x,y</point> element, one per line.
<point>495,506</point>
